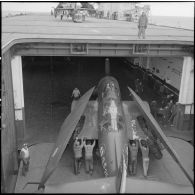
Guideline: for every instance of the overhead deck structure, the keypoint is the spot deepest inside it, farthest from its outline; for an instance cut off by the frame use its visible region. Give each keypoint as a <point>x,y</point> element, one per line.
<point>43,35</point>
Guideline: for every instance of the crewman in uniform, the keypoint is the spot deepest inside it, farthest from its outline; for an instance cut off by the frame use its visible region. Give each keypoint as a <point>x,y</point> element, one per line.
<point>173,113</point>
<point>154,108</point>
<point>76,95</point>
<point>142,25</point>
<point>89,156</point>
<point>133,147</point>
<point>77,147</point>
<point>25,157</point>
<point>145,152</point>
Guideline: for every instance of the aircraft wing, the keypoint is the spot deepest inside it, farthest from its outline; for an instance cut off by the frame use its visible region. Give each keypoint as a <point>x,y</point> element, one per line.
<point>131,112</point>
<point>103,185</point>
<point>136,185</point>
<point>64,135</point>
<point>90,127</point>
<point>157,129</point>
<point>107,185</point>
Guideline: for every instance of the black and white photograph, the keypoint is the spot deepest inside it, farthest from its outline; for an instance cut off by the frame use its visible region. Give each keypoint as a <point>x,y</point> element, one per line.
<point>97,97</point>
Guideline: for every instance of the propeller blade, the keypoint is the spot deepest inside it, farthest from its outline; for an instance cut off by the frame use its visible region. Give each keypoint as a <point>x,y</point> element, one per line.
<point>155,126</point>
<point>64,136</point>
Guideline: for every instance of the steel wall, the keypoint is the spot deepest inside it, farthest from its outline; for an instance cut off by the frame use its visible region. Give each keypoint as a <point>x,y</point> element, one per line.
<point>9,165</point>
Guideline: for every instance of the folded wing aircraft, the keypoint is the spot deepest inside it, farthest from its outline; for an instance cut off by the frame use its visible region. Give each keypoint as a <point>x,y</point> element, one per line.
<point>113,123</point>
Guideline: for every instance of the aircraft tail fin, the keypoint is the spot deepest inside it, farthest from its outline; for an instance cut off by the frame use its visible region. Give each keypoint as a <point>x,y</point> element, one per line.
<point>107,66</point>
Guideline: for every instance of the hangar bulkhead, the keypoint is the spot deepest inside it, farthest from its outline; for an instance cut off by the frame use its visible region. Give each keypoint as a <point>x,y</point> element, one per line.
<point>38,76</point>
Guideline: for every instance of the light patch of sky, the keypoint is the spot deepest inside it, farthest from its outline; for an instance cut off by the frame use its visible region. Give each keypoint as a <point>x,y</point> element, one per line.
<point>185,9</point>
<point>28,7</point>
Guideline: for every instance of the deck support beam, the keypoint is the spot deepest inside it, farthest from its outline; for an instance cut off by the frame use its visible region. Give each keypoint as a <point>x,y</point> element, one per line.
<point>17,79</point>
<point>185,114</point>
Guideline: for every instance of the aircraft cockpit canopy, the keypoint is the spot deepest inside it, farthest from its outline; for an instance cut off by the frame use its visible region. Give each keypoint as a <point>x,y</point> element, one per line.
<point>110,91</point>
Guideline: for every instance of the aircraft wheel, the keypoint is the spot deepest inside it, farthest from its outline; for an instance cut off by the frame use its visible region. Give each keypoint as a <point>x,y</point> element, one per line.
<point>61,17</point>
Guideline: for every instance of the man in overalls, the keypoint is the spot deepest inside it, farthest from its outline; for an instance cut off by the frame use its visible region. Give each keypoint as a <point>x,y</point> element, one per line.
<point>133,147</point>
<point>145,152</point>
<point>25,157</point>
<point>77,147</point>
<point>89,156</point>
<point>142,25</point>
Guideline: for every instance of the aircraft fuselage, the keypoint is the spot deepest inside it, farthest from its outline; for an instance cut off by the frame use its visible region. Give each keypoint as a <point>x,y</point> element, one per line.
<point>112,131</point>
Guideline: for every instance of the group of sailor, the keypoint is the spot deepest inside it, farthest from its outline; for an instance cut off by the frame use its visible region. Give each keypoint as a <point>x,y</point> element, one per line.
<point>79,144</point>
<point>134,145</point>
<point>88,146</point>
<point>78,154</point>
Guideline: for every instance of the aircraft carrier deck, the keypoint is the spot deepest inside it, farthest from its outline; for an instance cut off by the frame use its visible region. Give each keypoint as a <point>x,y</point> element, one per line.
<point>43,27</point>
<point>46,109</point>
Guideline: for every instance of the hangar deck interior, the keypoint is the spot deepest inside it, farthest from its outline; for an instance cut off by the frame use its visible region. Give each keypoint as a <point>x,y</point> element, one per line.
<point>48,85</point>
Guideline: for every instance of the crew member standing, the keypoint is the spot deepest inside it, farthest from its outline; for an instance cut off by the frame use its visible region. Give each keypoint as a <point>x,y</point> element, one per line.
<point>153,108</point>
<point>145,152</point>
<point>77,155</point>
<point>76,95</point>
<point>25,157</point>
<point>173,113</point>
<point>133,147</point>
<point>89,156</point>
<point>142,25</point>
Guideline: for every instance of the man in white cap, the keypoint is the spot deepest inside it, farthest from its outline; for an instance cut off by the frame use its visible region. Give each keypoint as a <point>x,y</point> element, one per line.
<point>25,157</point>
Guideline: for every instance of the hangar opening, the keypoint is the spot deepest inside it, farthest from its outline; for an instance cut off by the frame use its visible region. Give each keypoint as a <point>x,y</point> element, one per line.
<point>49,81</point>
<point>48,84</point>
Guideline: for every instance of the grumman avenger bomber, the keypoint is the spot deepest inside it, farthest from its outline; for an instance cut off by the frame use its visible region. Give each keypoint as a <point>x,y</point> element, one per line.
<point>108,120</point>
